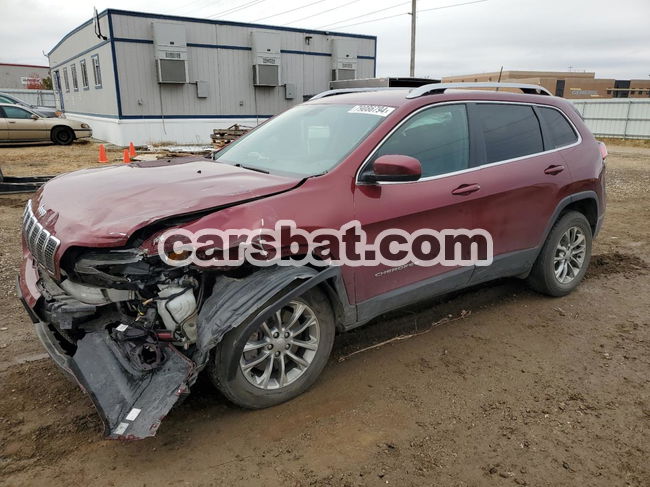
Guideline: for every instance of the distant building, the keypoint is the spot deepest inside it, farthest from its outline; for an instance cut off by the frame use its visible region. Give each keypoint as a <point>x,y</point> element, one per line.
<point>150,78</point>
<point>391,82</point>
<point>22,76</point>
<point>568,84</point>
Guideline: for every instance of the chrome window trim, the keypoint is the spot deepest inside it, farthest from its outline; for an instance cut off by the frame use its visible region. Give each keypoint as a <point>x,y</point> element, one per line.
<point>469,169</point>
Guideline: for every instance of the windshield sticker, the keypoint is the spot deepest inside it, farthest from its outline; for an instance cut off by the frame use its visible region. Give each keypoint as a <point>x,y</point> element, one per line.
<point>372,110</point>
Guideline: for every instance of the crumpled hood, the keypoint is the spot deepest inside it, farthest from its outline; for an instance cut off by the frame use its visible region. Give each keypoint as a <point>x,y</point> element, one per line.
<point>103,207</point>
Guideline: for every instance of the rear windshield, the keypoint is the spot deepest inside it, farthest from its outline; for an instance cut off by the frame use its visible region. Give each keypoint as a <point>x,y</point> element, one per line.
<point>307,140</point>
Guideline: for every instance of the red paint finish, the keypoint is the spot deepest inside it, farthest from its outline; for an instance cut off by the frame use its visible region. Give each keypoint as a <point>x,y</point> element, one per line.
<point>514,201</point>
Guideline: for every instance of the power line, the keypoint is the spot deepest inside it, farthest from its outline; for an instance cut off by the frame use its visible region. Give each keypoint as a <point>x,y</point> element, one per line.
<point>364,15</point>
<point>323,12</point>
<point>288,11</point>
<point>188,4</point>
<point>235,9</point>
<point>408,13</point>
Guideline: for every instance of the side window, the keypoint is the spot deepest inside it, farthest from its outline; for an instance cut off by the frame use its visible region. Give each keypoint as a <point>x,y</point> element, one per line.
<point>15,112</point>
<point>559,128</point>
<point>4,99</point>
<point>66,80</point>
<point>75,82</point>
<point>438,137</point>
<point>84,74</point>
<point>97,73</point>
<point>57,81</point>
<point>509,131</point>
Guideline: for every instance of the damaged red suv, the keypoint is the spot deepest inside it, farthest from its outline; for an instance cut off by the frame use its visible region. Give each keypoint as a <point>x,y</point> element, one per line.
<point>135,332</point>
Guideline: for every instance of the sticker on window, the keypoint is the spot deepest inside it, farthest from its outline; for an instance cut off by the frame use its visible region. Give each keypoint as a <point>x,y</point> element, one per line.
<point>372,110</point>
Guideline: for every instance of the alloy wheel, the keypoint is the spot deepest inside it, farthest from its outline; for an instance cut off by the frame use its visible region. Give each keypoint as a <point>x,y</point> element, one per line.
<point>569,255</point>
<point>283,347</point>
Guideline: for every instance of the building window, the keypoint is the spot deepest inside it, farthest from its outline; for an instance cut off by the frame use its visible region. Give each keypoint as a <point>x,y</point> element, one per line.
<point>57,81</point>
<point>84,74</point>
<point>75,81</point>
<point>96,71</point>
<point>66,80</point>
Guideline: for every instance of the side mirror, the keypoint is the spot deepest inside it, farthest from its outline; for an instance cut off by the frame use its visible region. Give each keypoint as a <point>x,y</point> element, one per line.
<point>34,116</point>
<point>393,168</point>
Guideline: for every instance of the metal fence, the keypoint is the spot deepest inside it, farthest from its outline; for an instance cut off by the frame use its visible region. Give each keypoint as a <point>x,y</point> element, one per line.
<point>43,98</point>
<point>628,118</point>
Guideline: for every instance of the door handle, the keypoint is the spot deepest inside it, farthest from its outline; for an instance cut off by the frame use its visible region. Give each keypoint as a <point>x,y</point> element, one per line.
<point>465,189</point>
<point>554,169</point>
<point>11,121</point>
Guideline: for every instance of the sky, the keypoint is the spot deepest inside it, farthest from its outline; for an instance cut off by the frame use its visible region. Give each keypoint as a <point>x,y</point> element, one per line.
<point>609,37</point>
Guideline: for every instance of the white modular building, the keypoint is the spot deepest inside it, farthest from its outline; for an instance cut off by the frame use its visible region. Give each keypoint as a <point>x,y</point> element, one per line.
<point>147,78</point>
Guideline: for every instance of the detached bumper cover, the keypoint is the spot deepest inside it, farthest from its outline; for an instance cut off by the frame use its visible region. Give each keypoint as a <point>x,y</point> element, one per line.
<point>131,403</point>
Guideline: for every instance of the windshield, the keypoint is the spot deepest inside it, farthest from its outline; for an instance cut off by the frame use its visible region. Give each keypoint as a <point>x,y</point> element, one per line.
<point>307,140</point>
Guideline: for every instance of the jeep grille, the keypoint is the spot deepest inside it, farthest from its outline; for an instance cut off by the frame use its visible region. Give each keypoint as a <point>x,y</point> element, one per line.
<point>40,242</point>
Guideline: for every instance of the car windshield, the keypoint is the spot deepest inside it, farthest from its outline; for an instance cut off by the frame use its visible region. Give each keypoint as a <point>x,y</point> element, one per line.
<point>307,140</point>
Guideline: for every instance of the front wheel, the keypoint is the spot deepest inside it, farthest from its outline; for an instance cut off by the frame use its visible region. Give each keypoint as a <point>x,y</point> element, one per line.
<point>62,135</point>
<point>565,256</point>
<point>279,359</point>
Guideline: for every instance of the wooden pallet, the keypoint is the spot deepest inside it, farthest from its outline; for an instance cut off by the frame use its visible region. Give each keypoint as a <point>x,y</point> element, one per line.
<point>223,137</point>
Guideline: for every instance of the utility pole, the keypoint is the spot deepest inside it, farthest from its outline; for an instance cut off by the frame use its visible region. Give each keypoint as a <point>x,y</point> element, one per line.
<point>413,22</point>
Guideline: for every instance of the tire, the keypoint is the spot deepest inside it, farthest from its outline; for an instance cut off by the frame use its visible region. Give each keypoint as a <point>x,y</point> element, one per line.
<point>62,135</point>
<point>246,386</point>
<point>554,272</point>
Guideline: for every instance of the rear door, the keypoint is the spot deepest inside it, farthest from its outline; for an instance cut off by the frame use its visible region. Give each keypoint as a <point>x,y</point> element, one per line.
<point>523,177</point>
<point>22,127</point>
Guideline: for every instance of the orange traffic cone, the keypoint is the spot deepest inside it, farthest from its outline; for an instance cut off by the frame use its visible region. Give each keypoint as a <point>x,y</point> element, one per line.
<point>132,153</point>
<point>126,159</point>
<point>102,154</point>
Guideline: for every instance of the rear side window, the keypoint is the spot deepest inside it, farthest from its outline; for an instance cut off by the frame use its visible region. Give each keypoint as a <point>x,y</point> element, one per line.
<point>559,129</point>
<point>438,137</point>
<point>509,131</point>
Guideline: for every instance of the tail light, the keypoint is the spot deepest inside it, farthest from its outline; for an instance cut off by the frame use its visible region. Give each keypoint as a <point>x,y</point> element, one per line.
<point>603,150</point>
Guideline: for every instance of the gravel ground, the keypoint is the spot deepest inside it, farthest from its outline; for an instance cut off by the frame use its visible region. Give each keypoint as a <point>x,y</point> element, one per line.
<point>510,388</point>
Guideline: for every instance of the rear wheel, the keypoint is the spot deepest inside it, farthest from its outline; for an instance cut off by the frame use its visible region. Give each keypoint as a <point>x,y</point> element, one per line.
<point>62,135</point>
<point>279,359</point>
<point>564,259</point>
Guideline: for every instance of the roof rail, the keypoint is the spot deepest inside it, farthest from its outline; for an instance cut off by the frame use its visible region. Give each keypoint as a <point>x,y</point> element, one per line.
<point>439,88</point>
<point>343,91</point>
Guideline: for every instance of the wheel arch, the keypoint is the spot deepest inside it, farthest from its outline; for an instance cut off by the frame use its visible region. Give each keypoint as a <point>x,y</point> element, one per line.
<point>585,202</point>
<point>254,298</point>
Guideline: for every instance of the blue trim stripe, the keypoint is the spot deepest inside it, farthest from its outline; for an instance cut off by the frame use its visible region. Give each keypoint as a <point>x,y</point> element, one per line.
<point>240,48</point>
<point>374,65</point>
<point>158,117</point>
<point>96,46</point>
<point>136,41</point>
<point>313,53</point>
<point>117,78</point>
<point>129,13</point>
<point>219,46</point>
<point>184,117</point>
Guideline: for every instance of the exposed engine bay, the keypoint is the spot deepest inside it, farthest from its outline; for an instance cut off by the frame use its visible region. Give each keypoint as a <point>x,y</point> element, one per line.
<point>135,332</point>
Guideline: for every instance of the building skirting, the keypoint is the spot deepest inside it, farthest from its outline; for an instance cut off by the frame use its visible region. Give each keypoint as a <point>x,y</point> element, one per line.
<point>156,131</point>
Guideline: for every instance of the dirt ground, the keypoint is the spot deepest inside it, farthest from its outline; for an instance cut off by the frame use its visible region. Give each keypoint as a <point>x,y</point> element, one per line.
<point>510,388</point>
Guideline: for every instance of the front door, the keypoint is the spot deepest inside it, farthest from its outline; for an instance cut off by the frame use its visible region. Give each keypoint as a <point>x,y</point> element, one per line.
<point>438,137</point>
<point>22,126</point>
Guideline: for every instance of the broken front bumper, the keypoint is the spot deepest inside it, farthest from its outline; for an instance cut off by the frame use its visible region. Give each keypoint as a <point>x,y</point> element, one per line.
<point>131,402</point>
